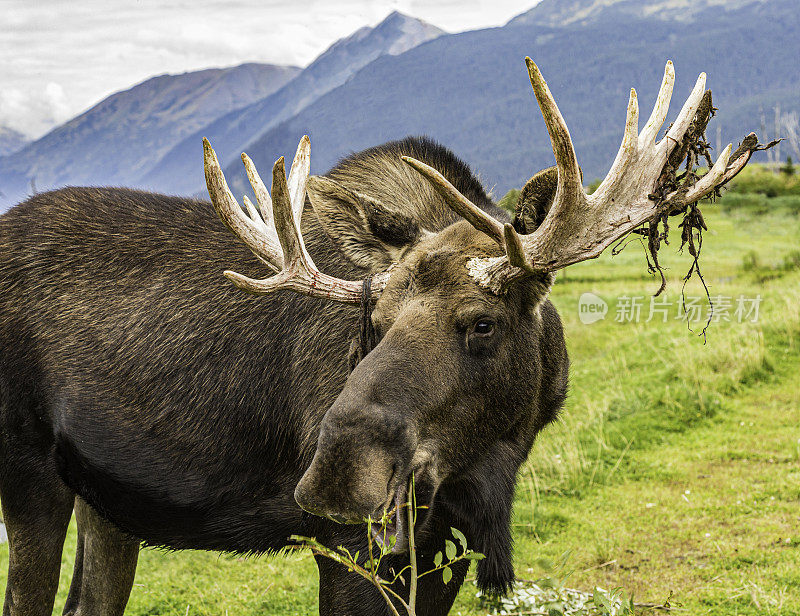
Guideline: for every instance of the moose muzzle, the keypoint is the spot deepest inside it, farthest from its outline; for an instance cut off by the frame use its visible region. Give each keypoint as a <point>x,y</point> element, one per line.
<point>361,464</point>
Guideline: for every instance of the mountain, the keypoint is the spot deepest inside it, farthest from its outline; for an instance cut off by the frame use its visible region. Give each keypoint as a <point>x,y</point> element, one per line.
<point>120,138</point>
<point>11,140</point>
<point>471,91</point>
<point>566,12</point>
<point>181,169</point>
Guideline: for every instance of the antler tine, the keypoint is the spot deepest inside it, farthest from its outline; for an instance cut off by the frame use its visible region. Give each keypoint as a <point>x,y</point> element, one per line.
<point>295,257</point>
<point>503,234</point>
<point>232,215</point>
<point>294,251</point>
<point>264,208</point>
<point>630,139</point>
<point>275,231</point>
<point>515,250</point>
<point>714,176</point>
<point>569,173</point>
<point>685,117</point>
<point>259,190</point>
<point>298,178</point>
<point>255,214</point>
<point>660,109</point>
<point>458,202</point>
<point>629,149</point>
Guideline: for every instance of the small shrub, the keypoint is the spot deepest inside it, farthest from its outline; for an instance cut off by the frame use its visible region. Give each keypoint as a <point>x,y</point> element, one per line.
<point>750,261</point>
<point>757,179</point>
<point>593,186</point>
<point>768,271</point>
<point>791,261</point>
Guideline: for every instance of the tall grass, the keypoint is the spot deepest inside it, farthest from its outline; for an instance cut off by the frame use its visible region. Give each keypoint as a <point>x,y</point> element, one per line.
<point>635,383</point>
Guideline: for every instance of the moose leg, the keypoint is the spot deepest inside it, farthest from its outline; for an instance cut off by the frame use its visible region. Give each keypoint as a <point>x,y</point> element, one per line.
<point>71,606</point>
<point>37,508</point>
<point>105,566</point>
<point>344,592</point>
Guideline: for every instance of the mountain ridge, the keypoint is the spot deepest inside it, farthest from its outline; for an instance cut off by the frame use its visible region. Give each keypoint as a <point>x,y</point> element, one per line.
<point>558,13</point>
<point>11,140</point>
<point>181,168</point>
<point>117,139</point>
<point>470,90</point>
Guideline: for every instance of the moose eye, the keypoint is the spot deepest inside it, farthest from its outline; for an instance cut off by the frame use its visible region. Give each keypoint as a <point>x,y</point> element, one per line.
<point>483,327</point>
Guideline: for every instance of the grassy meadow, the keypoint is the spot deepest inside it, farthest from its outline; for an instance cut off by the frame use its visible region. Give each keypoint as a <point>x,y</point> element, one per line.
<point>674,471</point>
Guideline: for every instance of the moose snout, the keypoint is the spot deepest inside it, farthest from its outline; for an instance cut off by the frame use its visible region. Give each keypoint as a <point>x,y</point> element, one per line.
<point>362,458</point>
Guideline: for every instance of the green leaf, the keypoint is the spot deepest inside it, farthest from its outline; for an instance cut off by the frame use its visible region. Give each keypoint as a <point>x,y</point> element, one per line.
<point>355,556</point>
<point>450,549</point>
<point>460,536</point>
<point>447,575</point>
<point>474,556</point>
<point>437,560</point>
<point>601,602</point>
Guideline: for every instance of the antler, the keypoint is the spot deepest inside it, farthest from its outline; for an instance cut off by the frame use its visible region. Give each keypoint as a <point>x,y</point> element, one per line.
<point>580,226</point>
<point>272,231</point>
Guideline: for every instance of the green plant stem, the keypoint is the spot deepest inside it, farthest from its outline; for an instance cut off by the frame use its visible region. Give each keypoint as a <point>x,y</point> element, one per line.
<point>412,549</point>
<point>370,576</point>
<point>386,598</point>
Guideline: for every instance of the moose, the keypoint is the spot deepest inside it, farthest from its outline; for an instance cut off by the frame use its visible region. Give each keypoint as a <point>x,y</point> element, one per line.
<point>166,407</point>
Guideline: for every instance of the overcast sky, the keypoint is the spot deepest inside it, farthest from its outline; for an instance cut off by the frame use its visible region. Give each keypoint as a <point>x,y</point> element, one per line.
<point>59,57</point>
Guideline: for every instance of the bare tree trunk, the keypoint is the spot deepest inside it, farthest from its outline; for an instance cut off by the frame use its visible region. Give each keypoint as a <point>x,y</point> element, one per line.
<point>771,151</point>
<point>789,122</point>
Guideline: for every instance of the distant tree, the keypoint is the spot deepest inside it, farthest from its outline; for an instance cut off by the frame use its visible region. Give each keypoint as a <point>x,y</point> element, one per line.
<point>788,168</point>
<point>509,201</point>
<point>593,185</point>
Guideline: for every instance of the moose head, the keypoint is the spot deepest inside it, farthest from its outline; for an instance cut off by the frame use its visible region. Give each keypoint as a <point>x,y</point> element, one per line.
<point>460,317</point>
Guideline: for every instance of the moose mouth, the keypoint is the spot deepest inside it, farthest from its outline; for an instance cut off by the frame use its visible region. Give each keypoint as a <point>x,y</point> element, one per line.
<point>390,523</point>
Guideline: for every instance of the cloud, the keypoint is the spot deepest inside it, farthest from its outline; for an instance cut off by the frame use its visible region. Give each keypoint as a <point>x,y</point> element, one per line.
<point>33,112</point>
<point>89,49</point>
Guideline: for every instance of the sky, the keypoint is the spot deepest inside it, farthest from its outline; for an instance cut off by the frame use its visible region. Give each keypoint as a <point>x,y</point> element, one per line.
<point>58,58</point>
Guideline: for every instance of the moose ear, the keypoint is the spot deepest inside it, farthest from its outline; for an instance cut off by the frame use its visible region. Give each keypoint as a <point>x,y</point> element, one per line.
<point>369,233</point>
<point>535,200</point>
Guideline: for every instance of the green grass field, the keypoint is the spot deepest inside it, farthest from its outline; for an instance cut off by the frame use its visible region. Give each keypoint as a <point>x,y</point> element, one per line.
<point>674,470</point>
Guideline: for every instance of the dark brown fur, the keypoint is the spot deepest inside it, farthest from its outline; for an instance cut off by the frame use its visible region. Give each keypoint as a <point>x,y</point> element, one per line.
<point>185,412</point>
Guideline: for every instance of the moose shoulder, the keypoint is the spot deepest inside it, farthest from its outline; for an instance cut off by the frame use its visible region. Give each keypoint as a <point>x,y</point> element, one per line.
<point>418,342</point>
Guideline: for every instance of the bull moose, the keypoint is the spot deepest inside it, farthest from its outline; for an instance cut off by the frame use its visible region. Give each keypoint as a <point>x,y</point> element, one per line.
<point>168,408</point>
